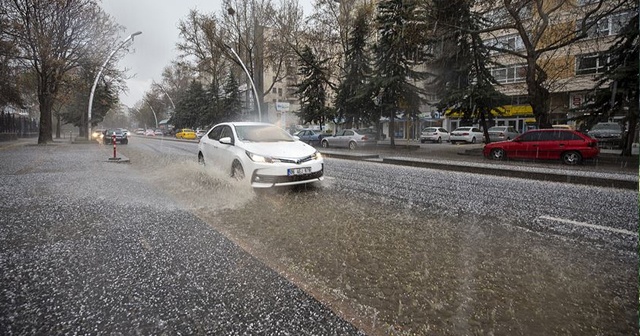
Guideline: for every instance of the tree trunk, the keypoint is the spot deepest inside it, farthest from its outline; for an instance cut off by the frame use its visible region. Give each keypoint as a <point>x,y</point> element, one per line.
<point>57,125</point>
<point>46,102</point>
<point>485,129</point>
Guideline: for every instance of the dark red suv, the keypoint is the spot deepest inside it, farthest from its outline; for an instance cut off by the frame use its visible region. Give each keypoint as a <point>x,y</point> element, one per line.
<point>567,145</point>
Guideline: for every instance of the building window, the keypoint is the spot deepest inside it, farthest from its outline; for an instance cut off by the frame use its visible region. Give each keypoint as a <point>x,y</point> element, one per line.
<point>279,92</point>
<point>508,42</point>
<point>519,100</point>
<point>510,74</point>
<point>590,64</point>
<point>609,25</point>
<point>274,90</point>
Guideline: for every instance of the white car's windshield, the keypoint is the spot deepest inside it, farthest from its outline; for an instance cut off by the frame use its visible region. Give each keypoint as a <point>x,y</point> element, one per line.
<point>262,133</point>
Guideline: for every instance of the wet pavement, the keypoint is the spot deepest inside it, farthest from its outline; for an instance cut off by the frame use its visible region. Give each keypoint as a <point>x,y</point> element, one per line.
<point>89,247</point>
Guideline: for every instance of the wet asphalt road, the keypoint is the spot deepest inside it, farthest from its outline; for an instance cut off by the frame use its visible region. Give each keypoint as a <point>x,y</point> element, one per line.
<point>89,247</point>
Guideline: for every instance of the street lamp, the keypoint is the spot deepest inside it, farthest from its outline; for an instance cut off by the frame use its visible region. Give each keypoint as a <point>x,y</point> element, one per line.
<point>154,113</point>
<point>95,83</point>
<point>253,85</point>
<point>166,93</point>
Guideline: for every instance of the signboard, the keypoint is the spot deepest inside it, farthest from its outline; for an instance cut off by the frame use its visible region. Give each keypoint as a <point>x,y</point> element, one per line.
<point>282,106</point>
<point>576,100</point>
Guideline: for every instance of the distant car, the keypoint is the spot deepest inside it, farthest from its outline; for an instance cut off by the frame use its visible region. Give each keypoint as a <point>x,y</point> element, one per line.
<point>126,132</point>
<point>608,134</point>
<point>264,154</point>
<point>553,144</point>
<point>149,132</point>
<point>310,136</point>
<point>502,133</point>
<point>120,136</point>
<point>97,134</point>
<point>139,131</point>
<point>185,133</point>
<point>351,138</point>
<point>200,133</point>
<point>434,134</point>
<point>466,134</point>
<point>158,132</point>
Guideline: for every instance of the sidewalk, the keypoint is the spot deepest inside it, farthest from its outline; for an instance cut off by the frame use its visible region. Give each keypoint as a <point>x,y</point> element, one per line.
<point>608,170</point>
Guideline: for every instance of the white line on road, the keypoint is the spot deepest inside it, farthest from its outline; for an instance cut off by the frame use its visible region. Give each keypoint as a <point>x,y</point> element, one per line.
<point>593,226</point>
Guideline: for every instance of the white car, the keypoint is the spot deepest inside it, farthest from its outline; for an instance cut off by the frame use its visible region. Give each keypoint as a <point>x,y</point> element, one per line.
<point>466,134</point>
<point>263,153</point>
<point>434,134</point>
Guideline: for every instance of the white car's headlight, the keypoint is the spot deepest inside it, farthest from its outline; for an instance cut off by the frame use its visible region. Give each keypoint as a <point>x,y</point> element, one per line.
<point>317,155</point>
<point>259,158</point>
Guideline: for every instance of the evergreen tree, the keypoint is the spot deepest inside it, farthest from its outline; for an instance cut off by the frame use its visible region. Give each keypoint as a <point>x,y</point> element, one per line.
<point>354,98</point>
<point>191,107</point>
<point>398,52</point>
<point>464,82</point>
<point>232,102</point>
<point>312,88</point>
<point>214,107</point>
<point>616,89</point>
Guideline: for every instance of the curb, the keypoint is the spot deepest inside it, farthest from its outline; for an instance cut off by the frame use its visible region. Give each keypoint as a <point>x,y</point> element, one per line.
<point>531,175</point>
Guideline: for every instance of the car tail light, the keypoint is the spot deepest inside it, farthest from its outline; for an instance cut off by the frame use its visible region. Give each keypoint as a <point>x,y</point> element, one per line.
<point>465,133</point>
<point>364,138</point>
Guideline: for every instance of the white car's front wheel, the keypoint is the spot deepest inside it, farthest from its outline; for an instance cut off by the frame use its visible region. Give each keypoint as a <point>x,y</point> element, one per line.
<point>236,171</point>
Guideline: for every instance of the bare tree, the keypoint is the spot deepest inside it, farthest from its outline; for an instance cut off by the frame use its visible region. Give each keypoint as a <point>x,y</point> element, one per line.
<point>52,37</point>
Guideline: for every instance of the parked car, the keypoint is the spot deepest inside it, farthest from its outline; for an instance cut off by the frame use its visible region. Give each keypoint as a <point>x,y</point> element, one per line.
<point>139,131</point>
<point>466,134</point>
<point>186,133</point>
<point>149,132</point>
<point>310,136</point>
<point>200,133</point>
<point>121,137</point>
<point>158,132</point>
<point>265,154</point>
<point>608,134</point>
<point>554,144</point>
<point>502,133</point>
<point>351,138</point>
<point>434,134</point>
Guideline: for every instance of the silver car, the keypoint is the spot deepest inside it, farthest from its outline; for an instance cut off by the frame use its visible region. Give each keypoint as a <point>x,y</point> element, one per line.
<point>434,134</point>
<point>351,138</point>
<point>502,133</point>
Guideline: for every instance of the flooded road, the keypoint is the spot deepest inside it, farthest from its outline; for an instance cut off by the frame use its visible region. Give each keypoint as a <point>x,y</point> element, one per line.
<point>403,250</point>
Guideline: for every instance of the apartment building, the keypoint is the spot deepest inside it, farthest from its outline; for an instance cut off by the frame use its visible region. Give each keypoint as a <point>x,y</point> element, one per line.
<point>570,69</point>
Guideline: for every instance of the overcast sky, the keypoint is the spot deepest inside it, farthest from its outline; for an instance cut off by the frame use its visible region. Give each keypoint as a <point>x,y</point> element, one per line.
<point>156,47</point>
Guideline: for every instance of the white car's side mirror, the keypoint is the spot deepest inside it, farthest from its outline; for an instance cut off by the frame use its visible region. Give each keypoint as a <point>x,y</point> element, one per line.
<point>226,141</point>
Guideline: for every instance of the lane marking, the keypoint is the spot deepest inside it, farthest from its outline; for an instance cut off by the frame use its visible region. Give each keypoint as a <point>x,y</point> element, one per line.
<point>593,226</point>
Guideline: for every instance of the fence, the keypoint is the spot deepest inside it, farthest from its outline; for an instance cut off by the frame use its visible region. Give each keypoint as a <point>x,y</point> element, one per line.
<point>20,125</point>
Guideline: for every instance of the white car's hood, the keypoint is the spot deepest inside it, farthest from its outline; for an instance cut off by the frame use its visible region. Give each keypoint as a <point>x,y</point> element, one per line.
<point>296,149</point>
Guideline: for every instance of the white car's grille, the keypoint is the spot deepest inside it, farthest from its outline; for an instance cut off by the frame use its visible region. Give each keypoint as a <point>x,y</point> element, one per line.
<point>296,161</point>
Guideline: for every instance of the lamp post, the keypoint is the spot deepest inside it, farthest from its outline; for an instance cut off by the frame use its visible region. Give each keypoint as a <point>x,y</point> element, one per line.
<point>154,113</point>
<point>95,83</point>
<point>166,94</point>
<point>253,85</point>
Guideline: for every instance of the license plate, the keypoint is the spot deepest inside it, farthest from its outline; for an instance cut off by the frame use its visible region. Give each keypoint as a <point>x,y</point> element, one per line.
<point>298,171</point>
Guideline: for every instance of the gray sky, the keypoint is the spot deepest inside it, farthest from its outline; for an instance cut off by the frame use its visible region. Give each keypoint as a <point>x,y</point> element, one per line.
<point>156,47</point>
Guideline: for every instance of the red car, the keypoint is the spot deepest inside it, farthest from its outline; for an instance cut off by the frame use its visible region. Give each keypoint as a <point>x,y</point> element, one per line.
<point>567,145</point>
